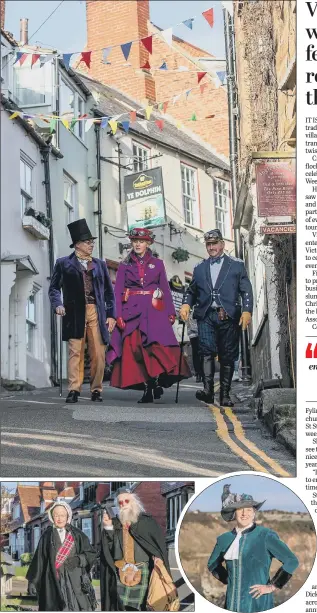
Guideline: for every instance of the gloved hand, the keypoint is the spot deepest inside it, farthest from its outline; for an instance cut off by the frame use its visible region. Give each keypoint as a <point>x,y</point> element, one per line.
<point>245,319</point>
<point>73,562</point>
<point>172,318</point>
<point>121,323</point>
<point>184,312</point>
<point>32,590</point>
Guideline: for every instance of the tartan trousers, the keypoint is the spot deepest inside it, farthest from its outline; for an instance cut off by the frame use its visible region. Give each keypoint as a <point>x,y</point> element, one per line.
<point>219,338</point>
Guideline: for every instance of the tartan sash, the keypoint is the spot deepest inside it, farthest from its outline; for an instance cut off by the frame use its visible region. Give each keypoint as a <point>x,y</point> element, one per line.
<point>64,551</point>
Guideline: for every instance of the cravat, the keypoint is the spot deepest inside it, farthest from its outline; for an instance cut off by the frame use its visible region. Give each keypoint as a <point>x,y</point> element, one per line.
<point>215,260</point>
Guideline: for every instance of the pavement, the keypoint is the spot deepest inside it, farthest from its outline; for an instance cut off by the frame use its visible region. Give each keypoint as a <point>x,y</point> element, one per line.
<point>44,436</point>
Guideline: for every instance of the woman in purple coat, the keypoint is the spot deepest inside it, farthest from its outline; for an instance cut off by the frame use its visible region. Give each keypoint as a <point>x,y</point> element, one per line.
<point>143,346</point>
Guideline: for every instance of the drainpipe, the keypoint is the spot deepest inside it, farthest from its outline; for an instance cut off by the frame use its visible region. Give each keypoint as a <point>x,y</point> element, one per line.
<point>45,150</point>
<point>233,143</point>
<point>99,210</point>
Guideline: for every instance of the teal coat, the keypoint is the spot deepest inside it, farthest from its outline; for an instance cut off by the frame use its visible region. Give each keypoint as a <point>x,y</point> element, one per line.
<point>257,547</point>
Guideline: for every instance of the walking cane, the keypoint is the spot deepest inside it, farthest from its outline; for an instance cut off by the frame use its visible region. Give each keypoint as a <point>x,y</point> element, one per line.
<point>180,362</point>
<point>61,356</point>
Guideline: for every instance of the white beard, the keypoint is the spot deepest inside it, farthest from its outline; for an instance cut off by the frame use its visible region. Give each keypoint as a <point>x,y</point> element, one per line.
<point>131,514</point>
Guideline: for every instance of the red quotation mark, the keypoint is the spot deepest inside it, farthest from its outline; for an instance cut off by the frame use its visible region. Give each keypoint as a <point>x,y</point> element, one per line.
<point>309,351</point>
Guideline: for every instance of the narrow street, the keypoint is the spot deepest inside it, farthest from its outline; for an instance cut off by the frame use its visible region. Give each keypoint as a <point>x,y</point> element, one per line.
<point>119,437</point>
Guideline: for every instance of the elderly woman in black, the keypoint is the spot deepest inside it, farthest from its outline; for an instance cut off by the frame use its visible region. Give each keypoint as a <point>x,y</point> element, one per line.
<point>58,574</point>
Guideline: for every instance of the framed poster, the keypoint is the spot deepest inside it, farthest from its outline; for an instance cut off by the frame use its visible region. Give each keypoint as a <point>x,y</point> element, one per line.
<point>144,197</point>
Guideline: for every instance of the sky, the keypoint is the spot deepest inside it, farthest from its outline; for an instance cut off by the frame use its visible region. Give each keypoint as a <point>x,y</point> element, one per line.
<point>65,30</point>
<point>276,494</point>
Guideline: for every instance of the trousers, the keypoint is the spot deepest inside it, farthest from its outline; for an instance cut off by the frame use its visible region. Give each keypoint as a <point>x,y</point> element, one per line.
<point>219,338</point>
<point>96,350</point>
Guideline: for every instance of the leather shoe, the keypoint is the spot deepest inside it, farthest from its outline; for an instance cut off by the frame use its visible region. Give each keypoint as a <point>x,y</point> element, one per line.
<point>72,397</point>
<point>96,396</point>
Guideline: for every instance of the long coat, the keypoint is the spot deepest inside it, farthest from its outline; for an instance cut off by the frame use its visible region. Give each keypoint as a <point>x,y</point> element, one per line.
<point>68,276</point>
<point>232,287</point>
<point>147,533</point>
<point>257,547</point>
<point>43,575</point>
<point>138,311</point>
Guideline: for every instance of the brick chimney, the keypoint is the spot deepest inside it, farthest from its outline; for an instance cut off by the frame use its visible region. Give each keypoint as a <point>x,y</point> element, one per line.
<point>2,8</point>
<point>114,22</point>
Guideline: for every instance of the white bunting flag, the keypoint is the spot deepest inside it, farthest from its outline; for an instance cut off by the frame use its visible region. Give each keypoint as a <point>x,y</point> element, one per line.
<point>88,124</point>
<point>168,36</point>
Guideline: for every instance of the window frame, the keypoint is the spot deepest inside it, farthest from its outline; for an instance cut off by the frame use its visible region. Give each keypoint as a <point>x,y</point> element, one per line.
<point>25,195</point>
<point>135,160</point>
<point>32,324</point>
<point>88,519</point>
<point>47,71</point>
<point>78,128</point>
<point>70,206</point>
<point>195,221</point>
<point>226,230</point>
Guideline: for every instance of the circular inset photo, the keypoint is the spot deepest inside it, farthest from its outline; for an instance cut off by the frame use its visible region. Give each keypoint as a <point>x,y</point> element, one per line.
<point>247,543</point>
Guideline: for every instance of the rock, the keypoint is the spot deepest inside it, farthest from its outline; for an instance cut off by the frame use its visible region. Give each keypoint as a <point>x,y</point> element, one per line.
<point>271,398</point>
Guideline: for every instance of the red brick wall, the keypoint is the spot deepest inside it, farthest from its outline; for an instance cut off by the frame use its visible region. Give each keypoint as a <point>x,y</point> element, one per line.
<point>103,490</point>
<point>154,503</point>
<point>119,21</point>
<point>2,9</point>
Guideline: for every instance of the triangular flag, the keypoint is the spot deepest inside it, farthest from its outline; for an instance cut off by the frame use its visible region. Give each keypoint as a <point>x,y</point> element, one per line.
<point>168,36</point>
<point>160,123</point>
<point>193,117</point>
<point>15,114</point>
<point>65,123</point>
<point>188,92</point>
<point>209,16</point>
<point>221,76</point>
<point>35,57</point>
<point>66,58</point>
<point>143,123</point>
<point>160,106</point>
<point>148,111</point>
<point>164,66</point>
<point>147,42</point>
<point>209,116</point>
<point>125,125</point>
<point>86,57</point>
<point>52,125</point>
<point>105,53</point>
<point>183,68</point>
<point>18,57</point>
<point>44,59</point>
<point>178,125</point>
<point>132,116</point>
<point>126,48</point>
<point>200,76</point>
<point>175,98</point>
<point>72,123</point>
<point>189,23</point>
<point>165,105</point>
<point>146,66</point>
<point>104,122</point>
<point>23,58</point>
<point>113,125</point>
<point>88,123</point>
<point>202,87</point>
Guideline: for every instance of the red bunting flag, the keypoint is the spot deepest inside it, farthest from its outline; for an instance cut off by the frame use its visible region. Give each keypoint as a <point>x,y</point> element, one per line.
<point>203,87</point>
<point>160,123</point>
<point>35,57</point>
<point>209,117</point>
<point>200,76</point>
<point>209,16</point>
<point>146,66</point>
<point>86,57</point>
<point>147,42</point>
<point>133,116</point>
<point>23,58</point>
<point>165,105</point>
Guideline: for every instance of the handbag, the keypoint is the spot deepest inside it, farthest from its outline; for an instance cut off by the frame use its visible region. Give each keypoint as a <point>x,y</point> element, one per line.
<point>157,300</point>
<point>162,593</point>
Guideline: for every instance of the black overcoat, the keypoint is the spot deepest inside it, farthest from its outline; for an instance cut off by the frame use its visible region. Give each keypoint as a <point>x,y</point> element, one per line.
<point>148,534</point>
<point>42,569</point>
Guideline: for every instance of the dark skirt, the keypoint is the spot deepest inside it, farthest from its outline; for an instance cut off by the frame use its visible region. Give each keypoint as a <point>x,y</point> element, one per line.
<point>138,364</point>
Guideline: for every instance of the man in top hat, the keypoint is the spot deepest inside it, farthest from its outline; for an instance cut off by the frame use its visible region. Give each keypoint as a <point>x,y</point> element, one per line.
<point>218,286</point>
<point>87,308</point>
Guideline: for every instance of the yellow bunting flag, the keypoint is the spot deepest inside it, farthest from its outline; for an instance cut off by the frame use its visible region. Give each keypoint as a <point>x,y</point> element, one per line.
<point>14,115</point>
<point>65,123</point>
<point>113,125</point>
<point>178,125</point>
<point>148,111</point>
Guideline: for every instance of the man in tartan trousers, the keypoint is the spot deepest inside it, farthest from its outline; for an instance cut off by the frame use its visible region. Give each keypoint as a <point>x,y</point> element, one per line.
<point>218,287</point>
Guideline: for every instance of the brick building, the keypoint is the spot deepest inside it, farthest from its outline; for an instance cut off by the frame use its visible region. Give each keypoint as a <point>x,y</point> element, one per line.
<point>129,20</point>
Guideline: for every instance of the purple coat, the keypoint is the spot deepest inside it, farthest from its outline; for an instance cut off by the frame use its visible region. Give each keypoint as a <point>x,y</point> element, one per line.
<point>138,311</point>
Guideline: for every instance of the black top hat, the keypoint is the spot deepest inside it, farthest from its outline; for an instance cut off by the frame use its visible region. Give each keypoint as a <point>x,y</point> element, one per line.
<point>79,231</point>
<point>235,501</point>
<point>213,236</point>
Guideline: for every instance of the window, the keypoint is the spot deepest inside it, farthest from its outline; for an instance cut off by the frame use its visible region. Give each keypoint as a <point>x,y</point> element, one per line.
<point>6,63</point>
<point>86,526</point>
<point>222,207</point>
<point>32,84</point>
<point>25,184</point>
<point>69,197</point>
<point>140,157</point>
<point>89,493</point>
<point>43,506</point>
<point>16,511</point>
<point>189,195</point>
<point>173,511</point>
<point>36,536</point>
<point>114,485</point>
<point>81,492</point>
<point>31,313</point>
<point>72,105</point>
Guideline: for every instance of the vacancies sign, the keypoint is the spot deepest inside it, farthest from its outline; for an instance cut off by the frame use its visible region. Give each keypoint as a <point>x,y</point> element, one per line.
<point>144,197</point>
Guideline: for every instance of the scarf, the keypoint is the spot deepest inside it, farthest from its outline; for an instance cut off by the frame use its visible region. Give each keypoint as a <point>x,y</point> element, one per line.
<point>64,551</point>
<point>233,552</point>
<point>82,257</point>
<point>216,260</point>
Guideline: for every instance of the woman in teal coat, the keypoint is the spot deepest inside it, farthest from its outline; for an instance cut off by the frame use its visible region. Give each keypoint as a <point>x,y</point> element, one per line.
<point>242,558</point>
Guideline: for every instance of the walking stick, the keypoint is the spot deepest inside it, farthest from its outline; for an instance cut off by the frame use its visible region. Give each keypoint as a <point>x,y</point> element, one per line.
<point>61,356</point>
<point>180,362</point>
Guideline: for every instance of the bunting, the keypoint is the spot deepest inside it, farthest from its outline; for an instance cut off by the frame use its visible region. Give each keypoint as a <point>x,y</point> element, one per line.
<point>86,57</point>
<point>160,123</point>
<point>126,48</point>
<point>147,43</point>
<point>146,66</point>
<point>148,111</point>
<point>222,76</point>
<point>209,16</point>
<point>113,125</point>
<point>168,36</point>
<point>89,122</point>
<point>104,122</point>
<point>163,67</point>
<point>35,57</point>
<point>125,125</point>
<point>189,23</point>
<point>133,116</point>
<point>66,58</point>
<point>200,76</point>
<point>105,53</point>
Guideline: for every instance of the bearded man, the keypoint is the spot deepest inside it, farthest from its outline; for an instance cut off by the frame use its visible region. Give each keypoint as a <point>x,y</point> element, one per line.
<point>132,544</point>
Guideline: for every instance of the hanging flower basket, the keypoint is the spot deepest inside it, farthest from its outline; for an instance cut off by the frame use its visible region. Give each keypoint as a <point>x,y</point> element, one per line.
<point>180,255</point>
<point>41,217</point>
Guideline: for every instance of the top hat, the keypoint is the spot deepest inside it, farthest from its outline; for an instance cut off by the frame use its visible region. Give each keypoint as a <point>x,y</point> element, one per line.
<point>144,234</point>
<point>213,236</point>
<point>79,231</point>
<point>234,502</point>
